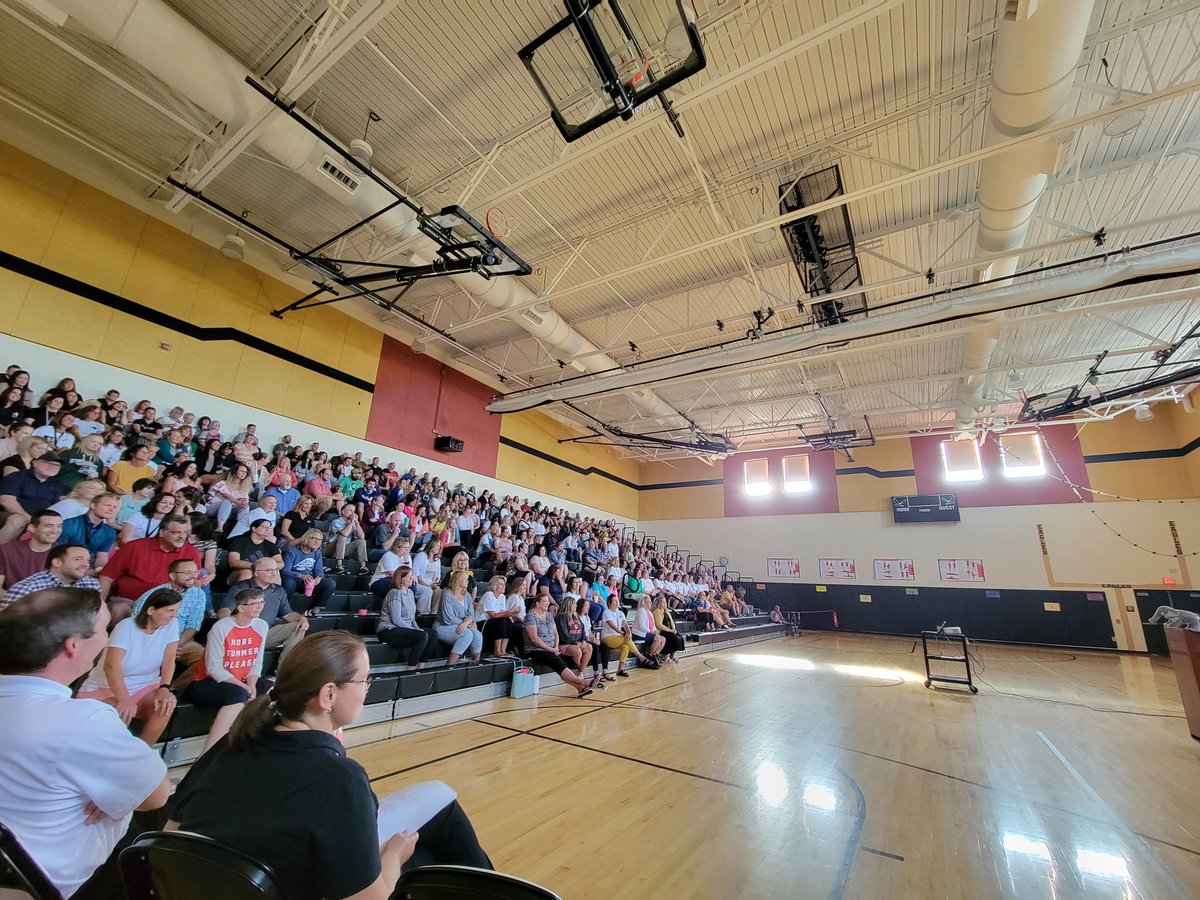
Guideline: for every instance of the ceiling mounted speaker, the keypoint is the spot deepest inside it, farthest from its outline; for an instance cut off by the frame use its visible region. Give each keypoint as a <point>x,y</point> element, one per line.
<point>1143,413</point>
<point>233,247</point>
<point>418,347</point>
<point>360,153</point>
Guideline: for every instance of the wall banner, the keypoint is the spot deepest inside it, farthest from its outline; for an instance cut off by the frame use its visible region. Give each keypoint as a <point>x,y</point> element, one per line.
<point>837,568</point>
<point>895,570</point>
<point>960,570</point>
<point>783,567</point>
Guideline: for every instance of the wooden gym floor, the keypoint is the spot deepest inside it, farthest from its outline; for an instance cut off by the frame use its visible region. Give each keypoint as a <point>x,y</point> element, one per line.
<point>820,766</point>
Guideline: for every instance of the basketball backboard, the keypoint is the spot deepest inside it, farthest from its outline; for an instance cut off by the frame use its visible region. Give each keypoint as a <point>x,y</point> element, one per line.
<point>607,57</point>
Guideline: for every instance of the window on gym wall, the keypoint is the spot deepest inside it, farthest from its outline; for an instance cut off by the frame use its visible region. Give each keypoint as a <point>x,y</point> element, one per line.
<point>796,477</point>
<point>961,461</point>
<point>1021,456</point>
<point>758,483</point>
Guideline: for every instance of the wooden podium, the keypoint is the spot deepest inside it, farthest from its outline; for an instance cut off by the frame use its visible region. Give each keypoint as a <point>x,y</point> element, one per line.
<point>1185,655</point>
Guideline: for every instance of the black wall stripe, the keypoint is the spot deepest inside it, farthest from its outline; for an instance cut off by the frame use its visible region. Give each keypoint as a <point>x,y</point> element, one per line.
<point>578,470</point>
<point>165,320</point>
<point>1134,455</point>
<point>877,473</point>
<point>681,484</point>
<point>706,482</point>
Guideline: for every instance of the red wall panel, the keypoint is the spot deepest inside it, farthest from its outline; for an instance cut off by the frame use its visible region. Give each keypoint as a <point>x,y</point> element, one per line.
<point>417,397</point>
<point>823,498</point>
<point>995,489</point>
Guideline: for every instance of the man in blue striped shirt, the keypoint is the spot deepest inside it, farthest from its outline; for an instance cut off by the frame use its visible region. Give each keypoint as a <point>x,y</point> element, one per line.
<point>194,607</point>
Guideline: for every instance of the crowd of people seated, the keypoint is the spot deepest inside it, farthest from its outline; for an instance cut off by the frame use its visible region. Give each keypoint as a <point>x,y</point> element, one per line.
<point>136,493</point>
<point>149,559</point>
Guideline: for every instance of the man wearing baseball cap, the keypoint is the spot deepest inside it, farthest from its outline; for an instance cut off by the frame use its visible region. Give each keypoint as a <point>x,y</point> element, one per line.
<point>24,493</point>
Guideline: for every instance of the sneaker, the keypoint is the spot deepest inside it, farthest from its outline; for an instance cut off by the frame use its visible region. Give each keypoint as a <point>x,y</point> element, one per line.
<point>601,686</point>
<point>584,692</point>
<point>596,679</point>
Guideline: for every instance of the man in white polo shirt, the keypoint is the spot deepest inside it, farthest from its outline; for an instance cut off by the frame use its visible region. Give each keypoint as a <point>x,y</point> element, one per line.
<point>73,774</point>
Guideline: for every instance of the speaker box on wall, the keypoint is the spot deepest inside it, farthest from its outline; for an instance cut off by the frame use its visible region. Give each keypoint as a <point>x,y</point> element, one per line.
<point>447,444</point>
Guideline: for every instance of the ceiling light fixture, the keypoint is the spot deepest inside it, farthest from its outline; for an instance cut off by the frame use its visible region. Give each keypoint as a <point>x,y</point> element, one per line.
<point>1122,123</point>
<point>1143,413</point>
<point>359,151</point>
<point>233,247</point>
<point>765,236</point>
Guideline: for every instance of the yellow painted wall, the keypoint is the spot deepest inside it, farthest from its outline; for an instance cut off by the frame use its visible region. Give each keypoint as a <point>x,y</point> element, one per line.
<point>1187,429</point>
<point>698,502</point>
<point>1150,479</point>
<point>540,432</point>
<point>864,492</point>
<point>55,221</point>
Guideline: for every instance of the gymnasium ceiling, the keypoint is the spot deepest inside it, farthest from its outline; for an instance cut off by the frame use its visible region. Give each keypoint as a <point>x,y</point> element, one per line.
<point>888,90</point>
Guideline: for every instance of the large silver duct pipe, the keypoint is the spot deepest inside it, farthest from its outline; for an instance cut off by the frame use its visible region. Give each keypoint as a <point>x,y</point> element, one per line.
<point>190,63</point>
<point>1038,45</point>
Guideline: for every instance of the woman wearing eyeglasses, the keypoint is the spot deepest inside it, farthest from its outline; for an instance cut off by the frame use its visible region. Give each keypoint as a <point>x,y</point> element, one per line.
<point>282,789</point>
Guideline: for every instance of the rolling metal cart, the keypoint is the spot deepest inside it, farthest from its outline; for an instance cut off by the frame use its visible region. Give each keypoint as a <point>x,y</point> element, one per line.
<point>942,641</point>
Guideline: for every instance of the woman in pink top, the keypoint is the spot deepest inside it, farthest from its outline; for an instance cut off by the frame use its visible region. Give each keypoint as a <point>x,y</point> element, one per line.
<point>232,491</point>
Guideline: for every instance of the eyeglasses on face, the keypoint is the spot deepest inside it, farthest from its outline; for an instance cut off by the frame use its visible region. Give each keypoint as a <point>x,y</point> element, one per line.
<point>367,682</point>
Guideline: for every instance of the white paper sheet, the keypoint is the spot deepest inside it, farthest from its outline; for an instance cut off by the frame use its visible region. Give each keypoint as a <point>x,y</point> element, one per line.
<point>411,807</point>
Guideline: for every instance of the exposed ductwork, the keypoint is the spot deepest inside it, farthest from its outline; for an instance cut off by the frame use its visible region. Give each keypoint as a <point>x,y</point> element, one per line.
<point>1037,49</point>
<point>976,305</point>
<point>190,63</point>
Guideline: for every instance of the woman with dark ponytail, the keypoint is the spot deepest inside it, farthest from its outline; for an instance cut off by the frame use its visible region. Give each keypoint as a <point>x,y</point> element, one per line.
<point>281,788</point>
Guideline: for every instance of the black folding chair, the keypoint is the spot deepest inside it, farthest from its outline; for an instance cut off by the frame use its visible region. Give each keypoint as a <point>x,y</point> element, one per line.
<point>19,872</point>
<point>177,865</point>
<point>466,883</point>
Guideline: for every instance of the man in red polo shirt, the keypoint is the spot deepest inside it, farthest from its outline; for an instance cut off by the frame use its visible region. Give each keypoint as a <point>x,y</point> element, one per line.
<point>142,565</point>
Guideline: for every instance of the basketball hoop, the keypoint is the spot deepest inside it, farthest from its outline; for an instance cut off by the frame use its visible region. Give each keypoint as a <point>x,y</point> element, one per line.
<point>632,71</point>
<point>497,223</point>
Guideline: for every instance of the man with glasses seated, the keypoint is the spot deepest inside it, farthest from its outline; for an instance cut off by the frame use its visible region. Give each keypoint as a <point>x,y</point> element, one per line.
<point>285,626</point>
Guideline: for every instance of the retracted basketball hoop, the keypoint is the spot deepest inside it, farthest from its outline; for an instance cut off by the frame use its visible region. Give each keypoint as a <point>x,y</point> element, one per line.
<point>608,57</point>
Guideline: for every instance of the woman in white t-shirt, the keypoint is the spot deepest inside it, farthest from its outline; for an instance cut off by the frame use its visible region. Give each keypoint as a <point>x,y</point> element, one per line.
<point>615,634</point>
<point>134,672</point>
<point>500,614</point>
<point>87,419</point>
<point>381,579</point>
<point>539,562</point>
<point>146,521</point>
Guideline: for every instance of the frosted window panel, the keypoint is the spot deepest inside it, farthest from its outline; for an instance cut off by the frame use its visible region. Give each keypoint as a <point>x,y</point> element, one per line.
<point>961,461</point>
